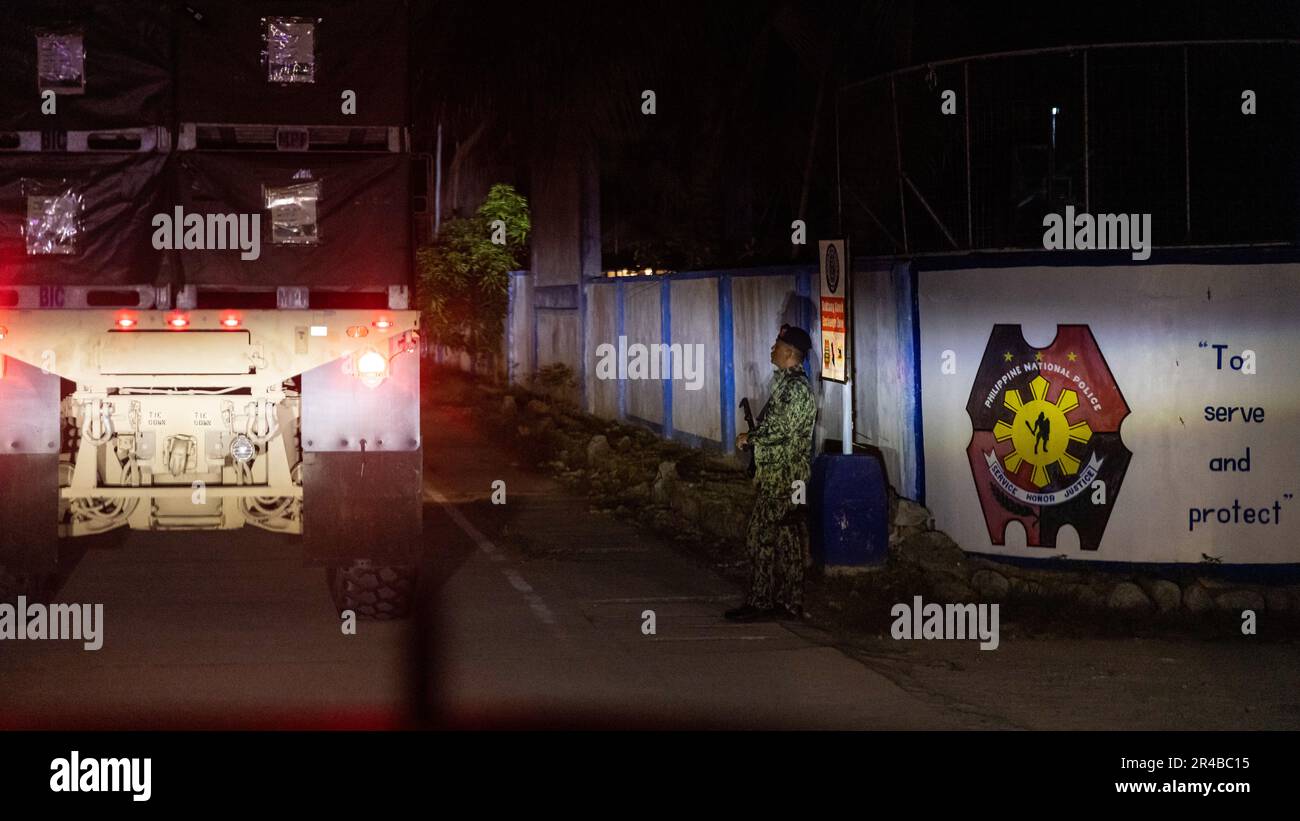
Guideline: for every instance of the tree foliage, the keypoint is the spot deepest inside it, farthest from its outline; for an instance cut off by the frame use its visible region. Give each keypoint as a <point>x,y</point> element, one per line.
<point>463,277</point>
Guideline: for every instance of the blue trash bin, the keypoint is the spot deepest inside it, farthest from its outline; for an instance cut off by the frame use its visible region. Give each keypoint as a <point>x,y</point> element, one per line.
<point>849,511</point>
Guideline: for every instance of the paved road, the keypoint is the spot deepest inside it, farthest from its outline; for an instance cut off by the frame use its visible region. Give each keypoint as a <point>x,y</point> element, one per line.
<point>538,621</point>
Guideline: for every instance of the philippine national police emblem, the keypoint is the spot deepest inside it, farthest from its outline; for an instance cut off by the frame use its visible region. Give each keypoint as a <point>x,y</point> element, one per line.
<point>832,269</point>
<point>1046,431</point>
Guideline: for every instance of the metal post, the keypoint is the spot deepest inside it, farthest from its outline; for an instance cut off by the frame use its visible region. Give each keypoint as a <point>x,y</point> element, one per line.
<point>666,336</point>
<point>846,417</point>
<point>437,184</point>
<point>839,193</point>
<point>1187,153</point>
<point>727,364</point>
<point>970,229</point>
<point>898,154</point>
<point>1087,181</point>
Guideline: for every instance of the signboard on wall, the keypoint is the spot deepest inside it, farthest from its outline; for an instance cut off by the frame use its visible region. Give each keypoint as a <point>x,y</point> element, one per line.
<point>834,309</point>
<point>1119,413</point>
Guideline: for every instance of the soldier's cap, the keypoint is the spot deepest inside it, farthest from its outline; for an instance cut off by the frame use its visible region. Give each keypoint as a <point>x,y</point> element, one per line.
<point>796,337</point>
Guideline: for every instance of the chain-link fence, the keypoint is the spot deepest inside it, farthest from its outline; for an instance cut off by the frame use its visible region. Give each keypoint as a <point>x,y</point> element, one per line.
<point>972,153</point>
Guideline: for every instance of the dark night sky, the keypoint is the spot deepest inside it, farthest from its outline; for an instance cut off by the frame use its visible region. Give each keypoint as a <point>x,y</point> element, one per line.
<point>717,175</point>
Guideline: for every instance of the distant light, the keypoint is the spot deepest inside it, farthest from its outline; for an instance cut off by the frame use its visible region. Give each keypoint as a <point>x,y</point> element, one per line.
<point>319,330</point>
<point>1055,111</point>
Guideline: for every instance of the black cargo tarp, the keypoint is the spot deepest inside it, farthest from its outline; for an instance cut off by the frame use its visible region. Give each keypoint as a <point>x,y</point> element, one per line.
<point>116,195</point>
<point>127,64</point>
<point>222,75</point>
<point>362,218</point>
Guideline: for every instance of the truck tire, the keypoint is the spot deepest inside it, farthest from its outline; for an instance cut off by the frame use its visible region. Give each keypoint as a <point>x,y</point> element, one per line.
<point>375,592</point>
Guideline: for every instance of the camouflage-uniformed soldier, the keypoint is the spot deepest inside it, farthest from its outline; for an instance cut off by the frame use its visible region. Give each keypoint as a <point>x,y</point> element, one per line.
<point>782,443</point>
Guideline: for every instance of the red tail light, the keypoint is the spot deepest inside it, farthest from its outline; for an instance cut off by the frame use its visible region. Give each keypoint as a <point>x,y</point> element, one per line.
<point>230,321</point>
<point>383,323</point>
<point>126,321</point>
<point>178,321</point>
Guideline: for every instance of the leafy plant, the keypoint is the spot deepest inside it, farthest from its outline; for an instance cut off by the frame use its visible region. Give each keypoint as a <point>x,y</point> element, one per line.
<point>556,377</point>
<point>463,277</point>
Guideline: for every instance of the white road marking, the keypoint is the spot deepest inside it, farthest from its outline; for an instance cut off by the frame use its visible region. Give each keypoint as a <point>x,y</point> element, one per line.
<point>517,581</point>
<point>535,602</point>
<point>598,550</point>
<point>710,638</point>
<point>654,599</point>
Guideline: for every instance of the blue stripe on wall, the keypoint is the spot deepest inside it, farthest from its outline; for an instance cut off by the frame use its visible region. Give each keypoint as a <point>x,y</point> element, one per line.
<point>914,296</point>
<point>726,362</point>
<point>510,329</point>
<point>666,336</point>
<point>535,359</point>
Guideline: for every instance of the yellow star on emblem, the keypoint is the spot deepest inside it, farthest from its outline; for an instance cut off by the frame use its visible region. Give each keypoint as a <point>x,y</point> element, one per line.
<point>1007,356</point>
<point>1038,357</point>
<point>1072,356</point>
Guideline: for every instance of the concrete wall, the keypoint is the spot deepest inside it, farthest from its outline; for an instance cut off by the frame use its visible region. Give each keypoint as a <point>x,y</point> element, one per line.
<point>694,315</point>
<point>556,210</point>
<point>642,312</point>
<point>559,338</point>
<point>565,209</point>
<point>519,328</point>
<point>885,410</point>
<point>602,327</point>
<point>1131,356</point>
<point>761,305</point>
<point>735,315</point>
<point>732,315</point>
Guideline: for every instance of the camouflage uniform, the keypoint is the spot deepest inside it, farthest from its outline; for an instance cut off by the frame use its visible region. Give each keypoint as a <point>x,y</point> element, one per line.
<point>782,444</point>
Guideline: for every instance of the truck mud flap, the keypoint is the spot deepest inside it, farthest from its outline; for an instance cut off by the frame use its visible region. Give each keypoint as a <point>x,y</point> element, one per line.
<point>358,507</point>
<point>29,468</point>
<point>362,502</point>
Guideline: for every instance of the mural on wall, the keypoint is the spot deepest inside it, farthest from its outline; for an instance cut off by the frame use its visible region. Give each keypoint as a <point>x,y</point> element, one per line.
<point>1030,373</point>
<point>1045,449</point>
